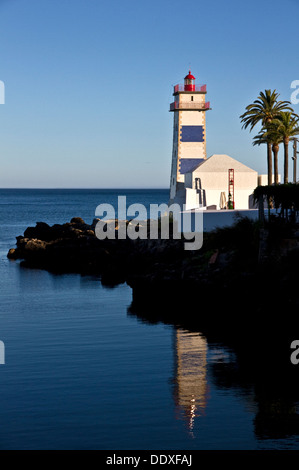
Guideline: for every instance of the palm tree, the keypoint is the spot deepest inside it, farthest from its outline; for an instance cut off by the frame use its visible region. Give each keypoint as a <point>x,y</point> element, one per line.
<point>269,135</point>
<point>286,127</point>
<point>263,111</point>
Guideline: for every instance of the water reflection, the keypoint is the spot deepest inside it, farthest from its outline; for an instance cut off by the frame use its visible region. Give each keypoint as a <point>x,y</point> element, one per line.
<point>269,392</point>
<point>253,367</point>
<point>269,387</point>
<point>191,389</point>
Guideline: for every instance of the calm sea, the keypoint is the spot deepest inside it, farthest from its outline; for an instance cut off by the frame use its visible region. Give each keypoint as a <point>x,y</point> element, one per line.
<point>82,372</point>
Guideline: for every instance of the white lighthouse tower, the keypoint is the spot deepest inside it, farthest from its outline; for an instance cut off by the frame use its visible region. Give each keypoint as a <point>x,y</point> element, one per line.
<point>189,132</point>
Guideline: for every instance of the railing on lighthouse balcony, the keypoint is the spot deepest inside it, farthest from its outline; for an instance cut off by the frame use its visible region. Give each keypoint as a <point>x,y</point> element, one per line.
<point>198,88</point>
<point>190,105</point>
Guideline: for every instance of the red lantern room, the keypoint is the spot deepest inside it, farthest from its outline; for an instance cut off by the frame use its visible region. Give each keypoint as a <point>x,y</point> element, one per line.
<point>189,82</point>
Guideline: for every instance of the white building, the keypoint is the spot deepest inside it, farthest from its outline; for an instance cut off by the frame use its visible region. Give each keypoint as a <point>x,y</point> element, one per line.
<point>217,181</point>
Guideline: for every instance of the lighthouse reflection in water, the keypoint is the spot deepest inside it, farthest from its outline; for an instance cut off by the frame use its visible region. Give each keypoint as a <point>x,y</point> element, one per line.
<point>191,388</point>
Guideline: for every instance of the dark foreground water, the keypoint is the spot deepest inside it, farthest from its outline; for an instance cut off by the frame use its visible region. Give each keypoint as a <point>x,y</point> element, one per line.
<point>82,372</point>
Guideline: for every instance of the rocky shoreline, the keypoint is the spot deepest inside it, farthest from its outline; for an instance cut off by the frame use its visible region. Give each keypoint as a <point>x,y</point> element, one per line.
<point>74,247</point>
<point>240,269</point>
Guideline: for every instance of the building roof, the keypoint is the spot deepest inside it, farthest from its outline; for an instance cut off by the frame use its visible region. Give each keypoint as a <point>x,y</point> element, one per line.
<point>222,163</point>
<point>189,76</point>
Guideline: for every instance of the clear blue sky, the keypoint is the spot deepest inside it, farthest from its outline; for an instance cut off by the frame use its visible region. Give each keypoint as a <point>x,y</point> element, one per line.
<point>89,82</point>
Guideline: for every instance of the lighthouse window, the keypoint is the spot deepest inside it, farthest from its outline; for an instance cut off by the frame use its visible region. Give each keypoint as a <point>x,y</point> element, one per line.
<point>191,98</point>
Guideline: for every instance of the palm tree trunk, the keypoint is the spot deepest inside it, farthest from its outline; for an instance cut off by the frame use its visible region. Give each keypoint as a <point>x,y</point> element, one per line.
<point>286,161</point>
<point>275,149</point>
<point>269,161</point>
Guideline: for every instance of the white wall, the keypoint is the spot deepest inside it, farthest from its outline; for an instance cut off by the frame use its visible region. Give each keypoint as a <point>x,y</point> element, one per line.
<point>192,118</point>
<point>241,197</point>
<point>192,199</point>
<point>192,149</point>
<point>197,98</point>
<point>219,180</point>
<point>263,180</point>
<point>213,219</point>
<point>216,182</point>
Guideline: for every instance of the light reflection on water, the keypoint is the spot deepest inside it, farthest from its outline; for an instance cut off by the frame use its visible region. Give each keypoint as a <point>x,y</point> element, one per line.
<point>191,387</point>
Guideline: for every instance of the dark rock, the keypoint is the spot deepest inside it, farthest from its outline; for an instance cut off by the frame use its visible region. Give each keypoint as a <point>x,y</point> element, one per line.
<point>12,254</point>
<point>35,245</point>
<point>79,224</point>
<point>77,220</point>
<point>41,231</point>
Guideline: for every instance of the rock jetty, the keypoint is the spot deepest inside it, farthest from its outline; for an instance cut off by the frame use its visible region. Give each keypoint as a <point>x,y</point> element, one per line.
<point>74,247</point>
<point>233,264</point>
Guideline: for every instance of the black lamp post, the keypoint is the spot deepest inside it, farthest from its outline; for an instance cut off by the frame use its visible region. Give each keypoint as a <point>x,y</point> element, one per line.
<point>294,158</point>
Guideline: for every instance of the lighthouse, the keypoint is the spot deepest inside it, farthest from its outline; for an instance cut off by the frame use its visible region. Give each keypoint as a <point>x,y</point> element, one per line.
<point>189,131</point>
<point>219,182</point>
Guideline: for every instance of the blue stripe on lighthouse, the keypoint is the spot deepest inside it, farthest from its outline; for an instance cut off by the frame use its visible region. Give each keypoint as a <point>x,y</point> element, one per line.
<point>192,134</point>
<point>189,164</point>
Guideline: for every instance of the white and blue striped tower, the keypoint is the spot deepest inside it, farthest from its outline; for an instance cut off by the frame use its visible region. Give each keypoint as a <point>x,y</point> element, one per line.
<point>189,131</point>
